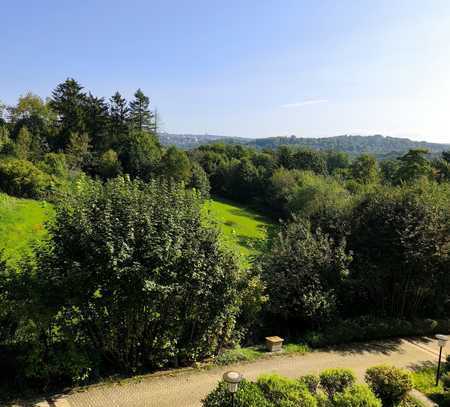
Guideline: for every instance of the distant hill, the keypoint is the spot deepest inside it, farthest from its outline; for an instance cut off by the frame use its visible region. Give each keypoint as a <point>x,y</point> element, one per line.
<point>189,141</point>
<point>381,146</point>
<point>377,144</point>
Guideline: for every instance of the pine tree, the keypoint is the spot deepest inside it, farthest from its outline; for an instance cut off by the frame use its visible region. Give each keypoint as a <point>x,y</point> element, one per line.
<point>97,117</point>
<point>119,114</point>
<point>141,118</point>
<point>68,102</point>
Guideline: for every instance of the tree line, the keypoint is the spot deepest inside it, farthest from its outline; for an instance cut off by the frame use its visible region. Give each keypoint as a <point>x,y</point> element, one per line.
<point>44,143</point>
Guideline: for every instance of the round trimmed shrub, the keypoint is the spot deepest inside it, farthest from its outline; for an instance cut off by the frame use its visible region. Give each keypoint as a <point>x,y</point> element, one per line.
<point>248,395</point>
<point>389,383</point>
<point>358,395</point>
<point>285,392</point>
<point>336,380</point>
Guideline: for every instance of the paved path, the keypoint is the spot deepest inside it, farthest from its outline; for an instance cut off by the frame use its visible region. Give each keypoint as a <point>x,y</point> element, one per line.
<point>186,389</point>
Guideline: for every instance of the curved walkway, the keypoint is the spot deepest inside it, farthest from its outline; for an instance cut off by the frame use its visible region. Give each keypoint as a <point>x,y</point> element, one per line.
<point>186,389</point>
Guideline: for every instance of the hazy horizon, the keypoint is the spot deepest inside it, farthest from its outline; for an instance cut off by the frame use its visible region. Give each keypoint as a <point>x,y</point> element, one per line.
<point>245,69</point>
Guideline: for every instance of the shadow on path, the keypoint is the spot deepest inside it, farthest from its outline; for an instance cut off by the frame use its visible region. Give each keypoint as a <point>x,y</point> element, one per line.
<point>385,347</point>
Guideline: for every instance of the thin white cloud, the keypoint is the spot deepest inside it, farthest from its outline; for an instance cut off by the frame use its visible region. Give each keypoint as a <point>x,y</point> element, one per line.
<point>304,103</point>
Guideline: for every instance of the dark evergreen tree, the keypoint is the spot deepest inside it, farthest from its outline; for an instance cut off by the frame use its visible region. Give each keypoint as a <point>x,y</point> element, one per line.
<point>96,111</point>
<point>118,114</point>
<point>68,101</point>
<point>141,118</point>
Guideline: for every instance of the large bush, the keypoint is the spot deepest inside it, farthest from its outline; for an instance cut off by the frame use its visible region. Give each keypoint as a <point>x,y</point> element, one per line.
<point>400,239</point>
<point>389,383</point>
<point>21,178</point>
<point>131,274</point>
<point>301,271</point>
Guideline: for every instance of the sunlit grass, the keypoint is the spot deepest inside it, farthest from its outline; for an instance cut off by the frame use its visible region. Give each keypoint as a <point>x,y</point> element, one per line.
<point>21,223</point>
<point>243,229</point>
<point>252,353</point>
<point>424,380</point>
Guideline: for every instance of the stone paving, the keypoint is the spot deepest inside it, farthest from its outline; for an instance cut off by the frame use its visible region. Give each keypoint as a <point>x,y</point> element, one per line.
<point>188,388</point>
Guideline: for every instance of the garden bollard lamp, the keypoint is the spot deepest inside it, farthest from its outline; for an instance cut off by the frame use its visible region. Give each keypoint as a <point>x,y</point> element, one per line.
<point>442,340</point>
<point>232,379</point>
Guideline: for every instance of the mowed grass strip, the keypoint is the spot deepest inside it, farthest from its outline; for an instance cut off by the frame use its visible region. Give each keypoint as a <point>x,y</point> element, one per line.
<point>243,229</point>
<point>21,223</point>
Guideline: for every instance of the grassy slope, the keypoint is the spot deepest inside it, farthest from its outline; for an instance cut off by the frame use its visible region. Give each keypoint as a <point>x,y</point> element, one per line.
<point>21,222</point>
<point>242,229</point>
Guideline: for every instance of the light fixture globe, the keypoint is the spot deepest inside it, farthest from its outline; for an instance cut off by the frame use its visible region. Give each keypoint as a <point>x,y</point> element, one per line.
<point>442,340</point>
<point>232,379</point>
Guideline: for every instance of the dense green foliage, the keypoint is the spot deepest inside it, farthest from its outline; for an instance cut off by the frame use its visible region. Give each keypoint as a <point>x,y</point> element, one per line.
<point>88,133</point>
<point>302,271</point>
<point>129,279</point>
<point>365,328</point>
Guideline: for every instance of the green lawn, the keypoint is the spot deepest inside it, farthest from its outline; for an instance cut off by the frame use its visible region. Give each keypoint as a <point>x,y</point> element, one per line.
<point>242,229</point>
<point>21,223</point>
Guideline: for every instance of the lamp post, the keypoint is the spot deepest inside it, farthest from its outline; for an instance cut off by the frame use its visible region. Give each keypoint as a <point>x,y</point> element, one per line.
<point>442,340</point>
<point>232,379</point>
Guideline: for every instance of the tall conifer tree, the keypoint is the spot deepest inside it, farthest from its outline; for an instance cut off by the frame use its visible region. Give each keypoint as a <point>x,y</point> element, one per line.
<point>141,117</point>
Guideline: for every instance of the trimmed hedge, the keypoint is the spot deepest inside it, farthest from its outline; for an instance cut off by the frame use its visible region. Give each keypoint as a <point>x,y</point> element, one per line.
<point>273,390</point>
<point>369,328</point>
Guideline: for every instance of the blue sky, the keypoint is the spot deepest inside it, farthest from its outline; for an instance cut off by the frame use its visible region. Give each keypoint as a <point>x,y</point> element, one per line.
<point>244,68</point>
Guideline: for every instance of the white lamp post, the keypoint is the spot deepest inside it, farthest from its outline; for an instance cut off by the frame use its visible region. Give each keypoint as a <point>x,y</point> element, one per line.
<point>232,379</point>
<point>442,340</point>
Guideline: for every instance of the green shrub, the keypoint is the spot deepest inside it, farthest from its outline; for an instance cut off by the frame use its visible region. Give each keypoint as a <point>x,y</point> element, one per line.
<point>136,264</point>
<point>108,164</point>
<point>447,363</point>
<point>446,381</point>
<point>55,164</point>
<point>248,395</point>
<point>336,380</point>
<point>285,392</point>
<point>22,179</point>
<point>311,381</point>
<point>366,328</point>
<point>389,383</point>
<point>356,396</point>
